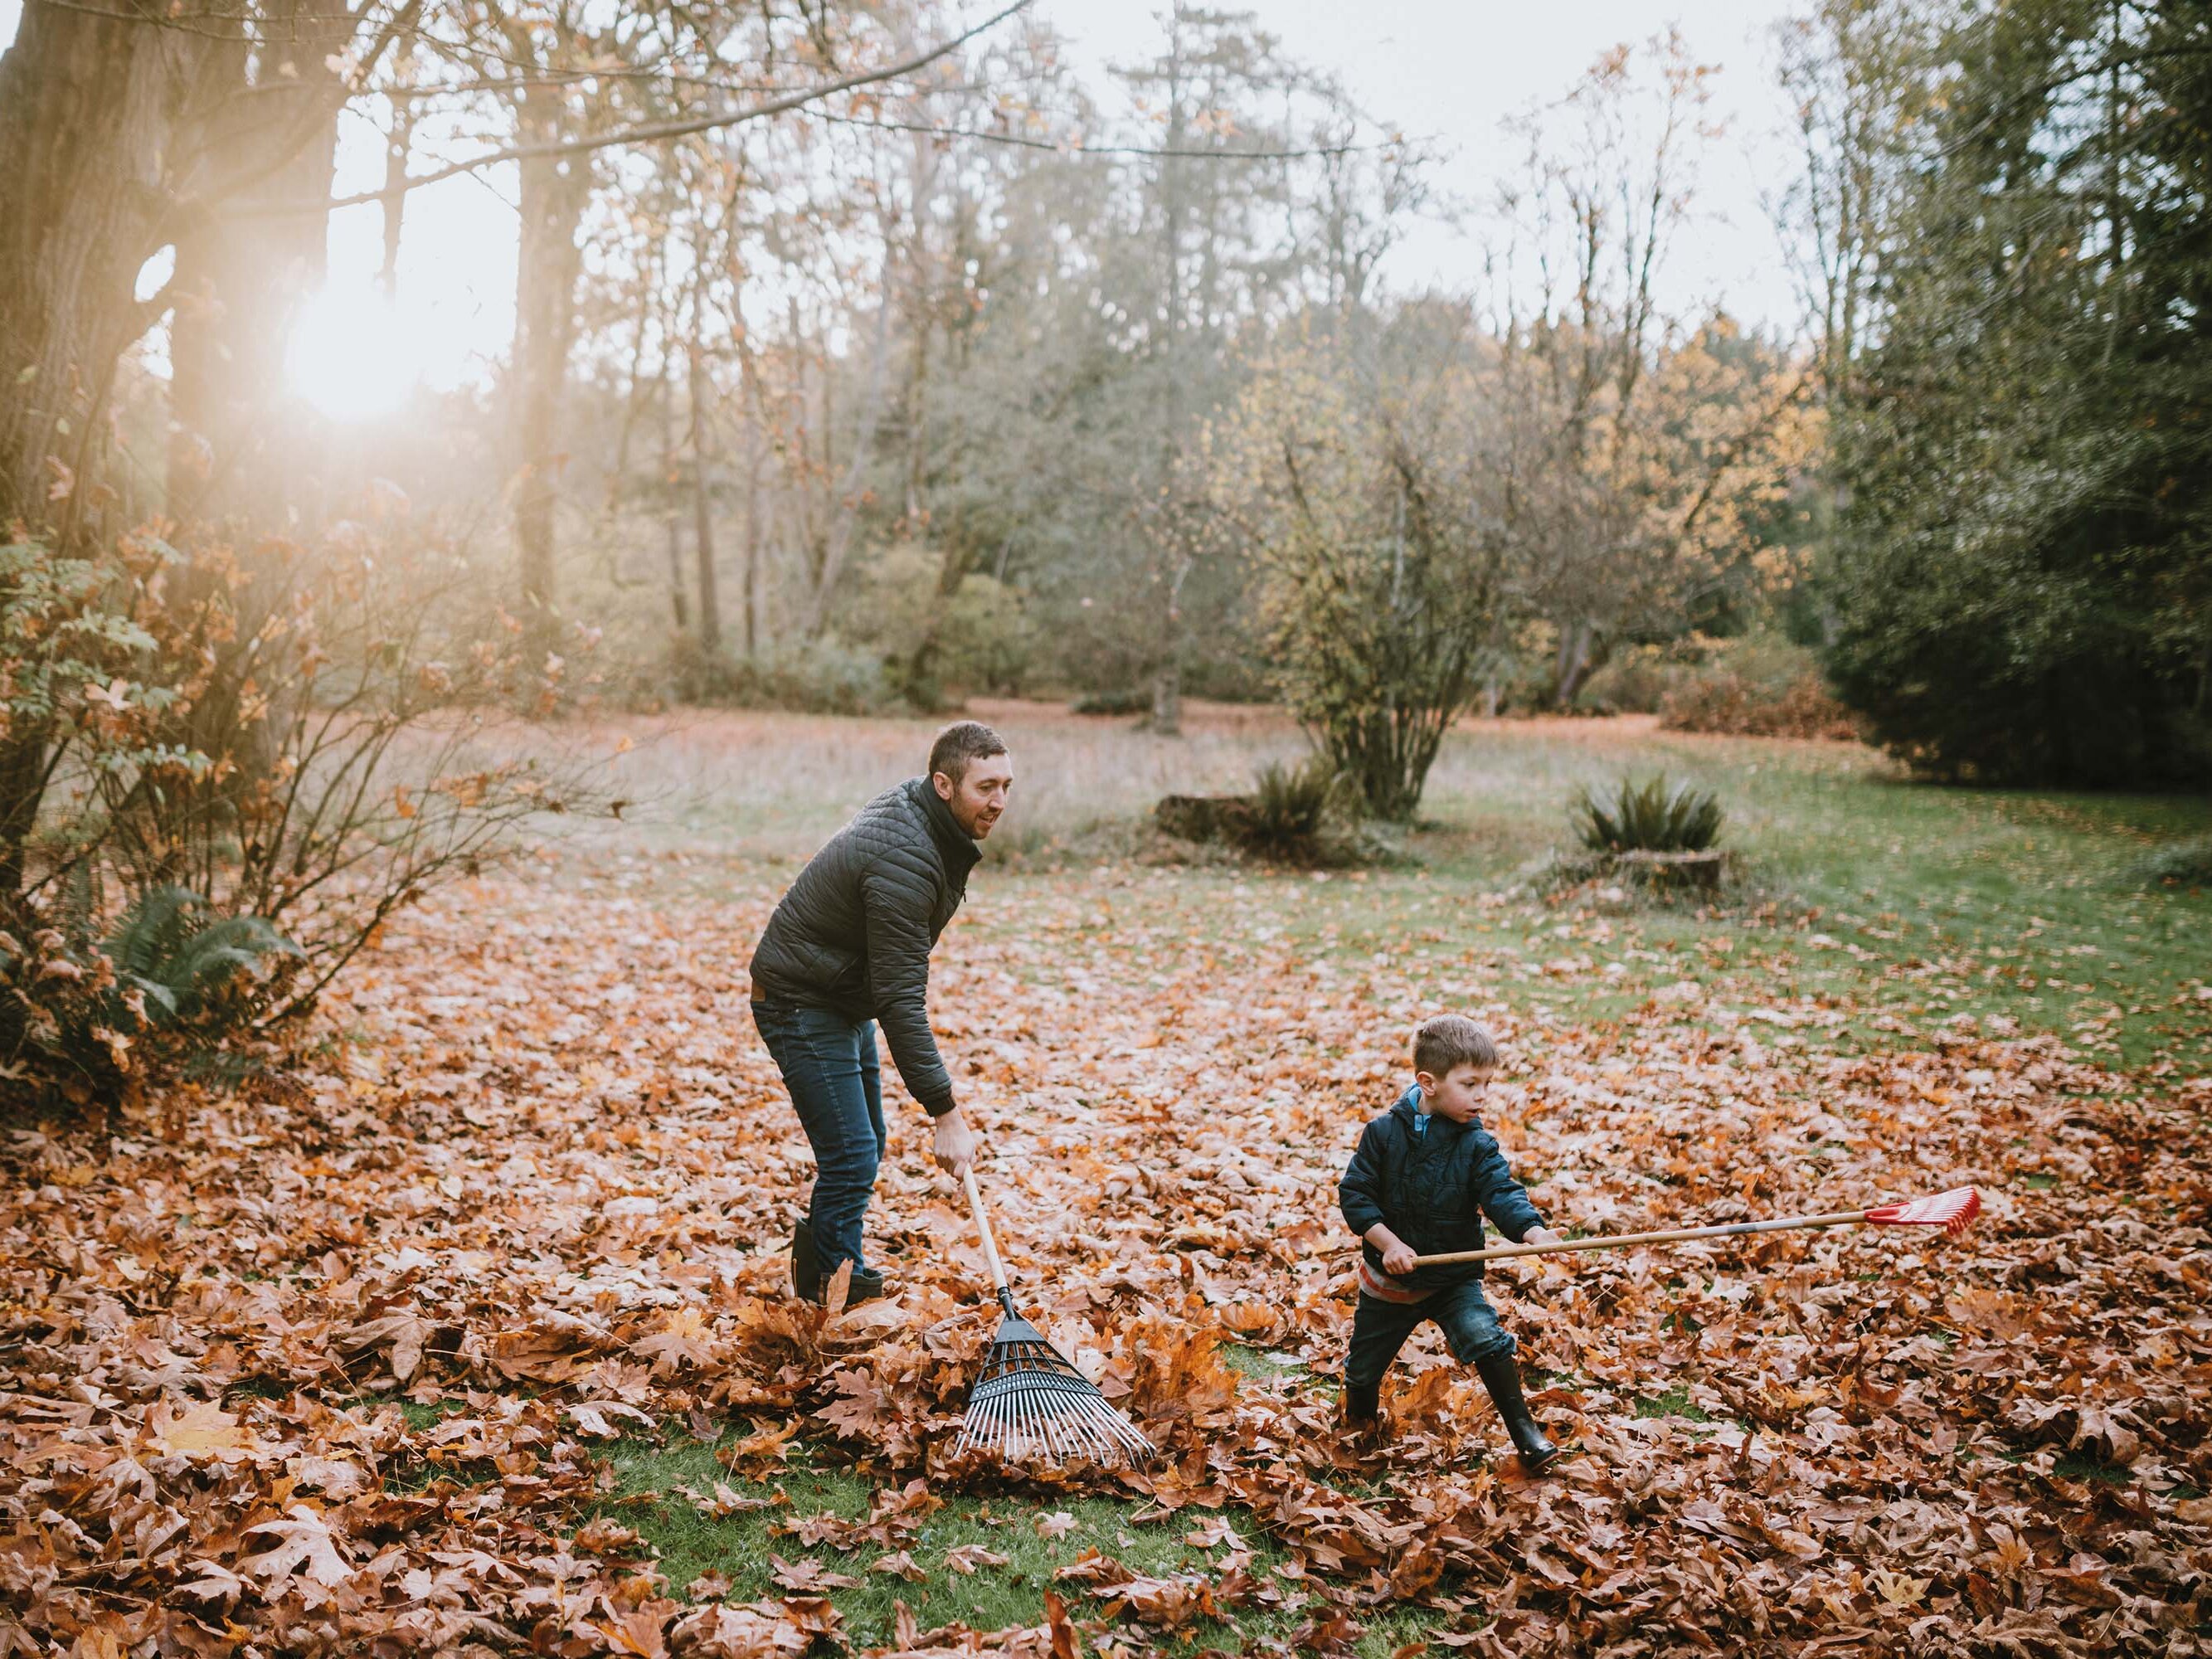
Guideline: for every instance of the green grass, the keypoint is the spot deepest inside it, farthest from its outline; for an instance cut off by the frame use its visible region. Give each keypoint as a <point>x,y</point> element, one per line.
<point>1675,1402</point>
<point>1907,906</point>
<point>2085,1466</point>
<point>1907,909</point>
<point>690,1543</point>
<point>1261,1364</point>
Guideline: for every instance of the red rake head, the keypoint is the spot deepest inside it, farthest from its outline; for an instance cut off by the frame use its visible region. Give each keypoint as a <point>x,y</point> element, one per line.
<point>1950,1211</point>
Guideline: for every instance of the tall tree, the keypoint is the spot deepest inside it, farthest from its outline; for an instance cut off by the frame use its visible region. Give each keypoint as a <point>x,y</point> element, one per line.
<point>1622,438</point>
<point>243,274</point>
<point>124,129</point>
<point>2024,573</point>
<point>115,141</point>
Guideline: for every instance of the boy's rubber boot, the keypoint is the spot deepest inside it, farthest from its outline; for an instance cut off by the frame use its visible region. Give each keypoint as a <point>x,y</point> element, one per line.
<point>1501,1375</point>
<point>805,1272</point>
<point>1363,1413</point>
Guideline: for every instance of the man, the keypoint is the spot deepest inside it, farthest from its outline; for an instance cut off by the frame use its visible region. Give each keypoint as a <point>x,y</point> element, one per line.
<point>849,947</point>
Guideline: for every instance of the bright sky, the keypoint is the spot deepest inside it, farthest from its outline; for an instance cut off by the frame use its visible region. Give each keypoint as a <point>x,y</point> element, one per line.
<point>1448,70</point>
<point>1453,69</point>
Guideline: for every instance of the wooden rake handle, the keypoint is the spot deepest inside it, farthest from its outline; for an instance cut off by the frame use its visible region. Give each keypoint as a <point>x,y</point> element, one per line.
<point>1620,1241</point>
<point>983,1226</point>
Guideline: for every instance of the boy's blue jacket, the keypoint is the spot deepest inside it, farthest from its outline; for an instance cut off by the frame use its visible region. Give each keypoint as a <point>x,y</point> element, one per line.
<point>1431,1187</point>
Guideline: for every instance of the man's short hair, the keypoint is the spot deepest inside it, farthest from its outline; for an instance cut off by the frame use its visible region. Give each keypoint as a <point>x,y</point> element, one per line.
<point>1451,1040</point>
<point>959,744</point>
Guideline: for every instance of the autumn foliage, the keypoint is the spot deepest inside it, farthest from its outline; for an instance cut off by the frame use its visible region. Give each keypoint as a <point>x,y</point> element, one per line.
<point>544,1187</point>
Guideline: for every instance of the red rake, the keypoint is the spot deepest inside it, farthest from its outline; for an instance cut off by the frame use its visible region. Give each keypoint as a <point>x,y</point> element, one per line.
<point>1950,1211</point>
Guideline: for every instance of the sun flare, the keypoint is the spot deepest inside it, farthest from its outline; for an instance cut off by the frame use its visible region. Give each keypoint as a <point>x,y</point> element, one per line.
<point>351,355</point>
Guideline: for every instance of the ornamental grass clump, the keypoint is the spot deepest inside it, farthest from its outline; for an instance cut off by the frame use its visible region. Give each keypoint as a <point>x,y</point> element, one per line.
<point>1290,806</point>
<point>1652,817</point>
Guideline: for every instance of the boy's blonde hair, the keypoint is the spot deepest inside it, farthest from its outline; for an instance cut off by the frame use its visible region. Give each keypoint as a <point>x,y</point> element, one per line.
<point>1450,1040</point>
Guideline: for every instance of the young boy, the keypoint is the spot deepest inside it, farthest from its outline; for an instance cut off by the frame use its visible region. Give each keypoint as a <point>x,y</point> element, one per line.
<point>1424,1175</point>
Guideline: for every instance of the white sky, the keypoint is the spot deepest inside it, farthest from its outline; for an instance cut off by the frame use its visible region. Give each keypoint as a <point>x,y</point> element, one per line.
<point>1449,70</point>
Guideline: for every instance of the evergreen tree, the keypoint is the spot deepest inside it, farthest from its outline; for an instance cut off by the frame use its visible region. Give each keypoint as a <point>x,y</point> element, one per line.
<point>2022,574</point>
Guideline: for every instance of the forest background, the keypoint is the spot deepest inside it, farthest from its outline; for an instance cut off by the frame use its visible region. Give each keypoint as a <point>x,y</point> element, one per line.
<point>984,377</point>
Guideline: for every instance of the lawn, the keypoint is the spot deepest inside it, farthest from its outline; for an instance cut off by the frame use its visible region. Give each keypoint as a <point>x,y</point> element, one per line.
<point>474,1328</point>
<point>1914,907</point>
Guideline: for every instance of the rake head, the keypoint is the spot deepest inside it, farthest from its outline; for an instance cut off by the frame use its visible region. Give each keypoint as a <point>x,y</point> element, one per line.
<point>1950,1211</point>
<point>1031,1398</point>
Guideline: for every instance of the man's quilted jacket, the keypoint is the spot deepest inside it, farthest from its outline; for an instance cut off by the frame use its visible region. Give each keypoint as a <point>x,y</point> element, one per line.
<point>854,933</point>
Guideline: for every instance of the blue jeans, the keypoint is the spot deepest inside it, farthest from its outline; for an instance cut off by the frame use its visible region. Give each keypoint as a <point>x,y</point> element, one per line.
<point>1380,1328</point>
<point>828,1064</point>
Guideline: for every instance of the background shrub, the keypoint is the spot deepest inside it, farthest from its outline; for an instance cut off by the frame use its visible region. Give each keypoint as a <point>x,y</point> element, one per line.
<point>1136,700</point>
<point>1759,686</point>
<point>2185,863</point>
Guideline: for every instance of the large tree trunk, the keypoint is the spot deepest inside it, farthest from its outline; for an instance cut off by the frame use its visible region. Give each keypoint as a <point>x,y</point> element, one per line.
<point>702,506</point>
<point>758,512</point>
<point>1167,680</point>
<point>753,540</point>
<point>89,107</point>
<point>676,600</point>
<point>1575,661</point>
<point>396,146</point>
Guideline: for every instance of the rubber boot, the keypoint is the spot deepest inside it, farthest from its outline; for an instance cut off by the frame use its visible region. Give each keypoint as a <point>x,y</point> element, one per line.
<point>805,1273</point>
<point>1363,1413</point>
<point>1501,1375</point>
<point>867,1284</point>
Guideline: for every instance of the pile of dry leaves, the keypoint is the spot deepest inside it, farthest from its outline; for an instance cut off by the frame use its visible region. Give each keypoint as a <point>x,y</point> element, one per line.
<point>546,1174</point>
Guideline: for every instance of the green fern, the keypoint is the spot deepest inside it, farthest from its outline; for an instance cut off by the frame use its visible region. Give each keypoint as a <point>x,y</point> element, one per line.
<point>1651,817</point>
<point>181,969</point>
<point>153,930</point>
<point>219,956</point>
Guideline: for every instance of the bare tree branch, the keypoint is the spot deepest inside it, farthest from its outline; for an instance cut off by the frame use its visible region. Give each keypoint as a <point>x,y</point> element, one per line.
<point>649,132</point>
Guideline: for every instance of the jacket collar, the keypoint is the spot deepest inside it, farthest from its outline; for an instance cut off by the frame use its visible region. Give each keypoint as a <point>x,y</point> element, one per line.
<point>959,848</point>
<point>1408,1107</point>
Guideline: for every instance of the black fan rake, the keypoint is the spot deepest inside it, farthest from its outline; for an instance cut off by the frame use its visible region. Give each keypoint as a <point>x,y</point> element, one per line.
<point>1031,1402</point>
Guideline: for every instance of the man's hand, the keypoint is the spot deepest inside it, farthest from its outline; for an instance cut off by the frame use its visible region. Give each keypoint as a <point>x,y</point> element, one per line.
<point>955,1148</point>
<point>1546,1236</point>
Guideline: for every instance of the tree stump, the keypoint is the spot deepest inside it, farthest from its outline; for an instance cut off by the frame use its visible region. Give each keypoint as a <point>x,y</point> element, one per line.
<point>1662,870</point>
<point>1204,817</point>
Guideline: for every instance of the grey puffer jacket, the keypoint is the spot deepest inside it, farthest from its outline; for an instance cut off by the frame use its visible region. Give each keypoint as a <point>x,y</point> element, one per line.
<point>854,932</point>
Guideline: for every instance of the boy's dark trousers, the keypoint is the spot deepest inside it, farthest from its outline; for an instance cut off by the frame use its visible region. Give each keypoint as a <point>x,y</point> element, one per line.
<point>1471,1329</point>
<point>1380,1328</point>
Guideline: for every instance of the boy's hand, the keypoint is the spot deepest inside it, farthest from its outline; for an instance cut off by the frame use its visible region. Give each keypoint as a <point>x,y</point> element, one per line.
<point>1542,1236</point>
<point>1398,1258</point>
